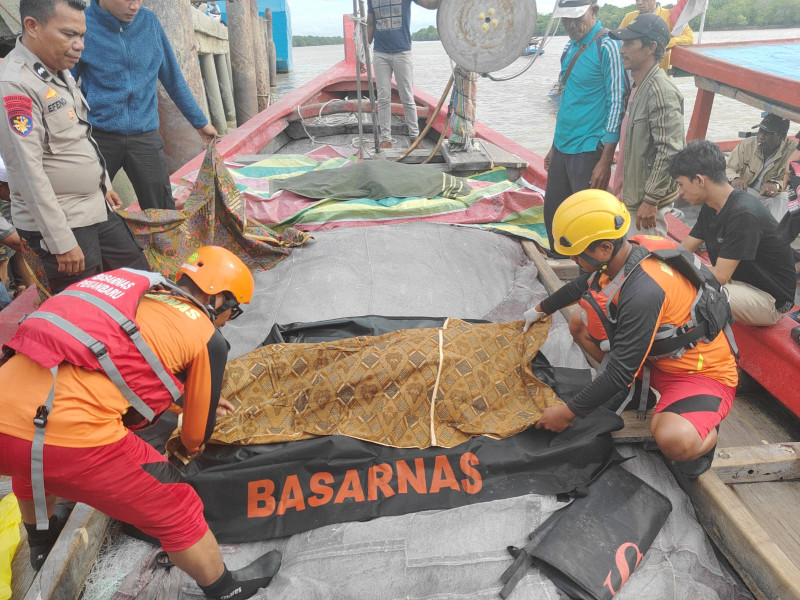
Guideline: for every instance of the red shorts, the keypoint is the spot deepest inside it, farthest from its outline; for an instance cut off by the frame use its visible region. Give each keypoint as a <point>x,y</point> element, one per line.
<point>702,401</point>
<point>127,480</point>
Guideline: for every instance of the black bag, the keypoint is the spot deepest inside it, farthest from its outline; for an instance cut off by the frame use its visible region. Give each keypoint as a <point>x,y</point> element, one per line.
<point>789,227</point>
<point>589,548</point>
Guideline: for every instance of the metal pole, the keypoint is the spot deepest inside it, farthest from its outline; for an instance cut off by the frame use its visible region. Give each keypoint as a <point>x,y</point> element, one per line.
<point>702,24</point>
<point>357,32</point>
<point>368,61</point>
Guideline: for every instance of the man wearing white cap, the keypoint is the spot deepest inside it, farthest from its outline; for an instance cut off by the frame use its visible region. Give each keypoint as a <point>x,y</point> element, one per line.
<point>593,86</point>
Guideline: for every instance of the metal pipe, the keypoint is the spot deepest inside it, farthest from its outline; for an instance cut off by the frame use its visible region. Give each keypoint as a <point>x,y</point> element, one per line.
<point>357,32</point>
<point>211,80</point>
<point>370,79</point>
<point>702,23</point>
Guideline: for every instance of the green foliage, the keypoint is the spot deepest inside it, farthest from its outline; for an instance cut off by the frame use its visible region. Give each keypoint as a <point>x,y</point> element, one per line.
<point>722,14</point>
<point>316,40</point>
<point>426,34</point>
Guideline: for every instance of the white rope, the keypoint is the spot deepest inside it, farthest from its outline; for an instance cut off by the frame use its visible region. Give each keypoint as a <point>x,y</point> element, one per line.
<point>539,50</point>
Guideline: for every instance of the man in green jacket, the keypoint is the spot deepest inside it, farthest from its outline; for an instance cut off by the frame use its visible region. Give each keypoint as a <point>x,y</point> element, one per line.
<point>652,131</point>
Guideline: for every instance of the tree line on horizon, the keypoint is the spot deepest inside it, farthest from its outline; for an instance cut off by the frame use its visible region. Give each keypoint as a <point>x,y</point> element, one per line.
<point>721,15</point>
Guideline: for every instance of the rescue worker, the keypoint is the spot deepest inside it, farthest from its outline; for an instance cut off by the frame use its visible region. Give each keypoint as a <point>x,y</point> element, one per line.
<point>642,300</point>
<point>62,200</point>
<point>167,344</point>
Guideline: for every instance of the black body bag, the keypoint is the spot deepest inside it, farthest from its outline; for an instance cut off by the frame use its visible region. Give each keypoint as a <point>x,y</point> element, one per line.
<point>589,548</point>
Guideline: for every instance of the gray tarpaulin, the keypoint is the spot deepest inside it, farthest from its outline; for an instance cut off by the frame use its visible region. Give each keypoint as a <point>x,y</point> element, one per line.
<point>425,270</point>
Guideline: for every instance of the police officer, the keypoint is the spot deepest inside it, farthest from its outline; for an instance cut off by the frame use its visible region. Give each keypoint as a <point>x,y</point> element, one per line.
<point>62,199</point>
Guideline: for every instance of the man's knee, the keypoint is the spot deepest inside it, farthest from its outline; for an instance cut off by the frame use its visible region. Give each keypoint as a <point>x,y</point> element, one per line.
<point>577,327</point>
<point>676,437</point>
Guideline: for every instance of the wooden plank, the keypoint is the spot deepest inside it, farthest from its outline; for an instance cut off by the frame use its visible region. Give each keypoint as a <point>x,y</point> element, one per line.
<point>551,282</point>
<point>415,157</point>
<point>635,430</point>
<point>565,268</point>
<point>22,573</point>
<point>501,157</point>
<point>759,102</point>
<point>762,564</point>
<point>63,575</point>
<point>310,111</point>
<point>769,462</point>
<point>474,159</point>
<point>698,125</point>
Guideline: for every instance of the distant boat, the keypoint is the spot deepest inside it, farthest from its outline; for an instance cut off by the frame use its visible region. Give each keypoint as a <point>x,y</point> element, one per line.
<point>533,47</point>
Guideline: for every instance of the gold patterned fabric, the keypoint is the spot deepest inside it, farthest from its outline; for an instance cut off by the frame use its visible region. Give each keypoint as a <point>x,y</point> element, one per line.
<point>214,214</point>
<point>410,388</point>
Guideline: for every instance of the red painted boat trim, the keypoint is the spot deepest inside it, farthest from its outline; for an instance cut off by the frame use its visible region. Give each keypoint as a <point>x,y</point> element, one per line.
<point>768,354</point>
<point>780,89</point>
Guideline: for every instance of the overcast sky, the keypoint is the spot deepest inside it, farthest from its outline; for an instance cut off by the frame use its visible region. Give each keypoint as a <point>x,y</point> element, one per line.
<point>324,17</point>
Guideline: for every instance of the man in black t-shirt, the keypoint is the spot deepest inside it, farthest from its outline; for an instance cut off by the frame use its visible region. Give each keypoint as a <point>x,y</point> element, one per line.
<point>747,257</point>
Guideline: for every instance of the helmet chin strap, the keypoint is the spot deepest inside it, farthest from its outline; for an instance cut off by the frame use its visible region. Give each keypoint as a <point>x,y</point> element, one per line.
<point>208,309</point>
<point>602,266</point>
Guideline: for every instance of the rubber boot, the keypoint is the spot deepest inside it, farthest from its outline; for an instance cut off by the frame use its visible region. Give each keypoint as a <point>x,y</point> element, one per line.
<point>245,582</point>
<point>41,542</point>
<point>692,469</point>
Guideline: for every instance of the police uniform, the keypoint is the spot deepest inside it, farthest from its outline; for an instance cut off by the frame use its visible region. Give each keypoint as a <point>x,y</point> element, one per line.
<point>56,174</point>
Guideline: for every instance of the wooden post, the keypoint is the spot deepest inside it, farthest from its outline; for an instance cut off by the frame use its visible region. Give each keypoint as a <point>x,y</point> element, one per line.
<point>698,125</point>
<point>209,71</point>
<point>181,141</point>
<point>271,56</point>
<point>242,60</point>
<point>224,77</point>
<point>261,62</point>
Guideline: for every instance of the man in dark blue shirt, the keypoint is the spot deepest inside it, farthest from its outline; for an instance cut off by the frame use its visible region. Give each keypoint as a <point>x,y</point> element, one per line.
<point>126,54</point>
<point>389,25</point>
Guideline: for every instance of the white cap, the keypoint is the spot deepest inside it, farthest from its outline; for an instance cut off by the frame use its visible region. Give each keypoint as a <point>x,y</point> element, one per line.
<point>3,174</point>
<point>572,9</point>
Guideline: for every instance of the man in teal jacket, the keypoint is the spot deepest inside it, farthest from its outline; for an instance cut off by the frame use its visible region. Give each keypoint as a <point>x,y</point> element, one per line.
<point>652,130</point>
<point>126,54</point>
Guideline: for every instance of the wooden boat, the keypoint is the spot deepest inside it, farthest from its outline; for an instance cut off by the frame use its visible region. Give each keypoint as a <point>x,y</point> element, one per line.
<point>743,502</point>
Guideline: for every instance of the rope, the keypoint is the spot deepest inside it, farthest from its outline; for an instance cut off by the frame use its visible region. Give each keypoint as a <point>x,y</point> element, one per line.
<point>328,120</point>
<point>438,378</point>
<point>358,38</point>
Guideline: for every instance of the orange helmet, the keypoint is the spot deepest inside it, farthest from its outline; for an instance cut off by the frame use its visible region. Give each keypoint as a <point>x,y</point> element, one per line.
<point>215,270</point>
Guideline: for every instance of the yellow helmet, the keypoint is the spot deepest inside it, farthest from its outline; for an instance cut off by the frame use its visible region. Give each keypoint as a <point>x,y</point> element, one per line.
<point>215,270</point>
<point>588,216</point>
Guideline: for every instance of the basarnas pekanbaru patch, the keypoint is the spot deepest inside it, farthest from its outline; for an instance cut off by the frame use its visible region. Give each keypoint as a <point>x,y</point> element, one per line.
<point>19,113</point>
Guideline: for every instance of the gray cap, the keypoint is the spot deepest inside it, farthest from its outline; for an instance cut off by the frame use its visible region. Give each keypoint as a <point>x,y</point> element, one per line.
<point>648,25</point>
<point>572,9</point>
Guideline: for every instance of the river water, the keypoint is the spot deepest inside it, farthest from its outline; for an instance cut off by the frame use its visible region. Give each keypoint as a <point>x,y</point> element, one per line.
<point>520,109</point>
